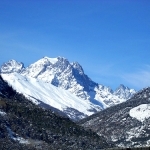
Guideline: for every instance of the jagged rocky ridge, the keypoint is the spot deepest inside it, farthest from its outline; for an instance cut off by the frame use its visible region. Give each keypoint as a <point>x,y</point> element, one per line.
<point>87,96</point>
<point>26,126</point>
<point>126,124</point>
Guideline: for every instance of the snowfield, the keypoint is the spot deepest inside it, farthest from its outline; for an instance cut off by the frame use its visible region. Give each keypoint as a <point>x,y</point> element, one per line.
<point>140,112</point>
<point>36,90</point>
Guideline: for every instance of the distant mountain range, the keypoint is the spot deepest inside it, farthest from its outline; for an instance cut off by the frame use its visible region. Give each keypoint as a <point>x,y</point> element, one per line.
<point>104,118</point>
<point>63,86</point>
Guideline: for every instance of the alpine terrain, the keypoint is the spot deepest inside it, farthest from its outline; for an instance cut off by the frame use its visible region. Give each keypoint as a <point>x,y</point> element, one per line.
<point>26,126</point>
<point>57,84</point>
<point>126,124</point>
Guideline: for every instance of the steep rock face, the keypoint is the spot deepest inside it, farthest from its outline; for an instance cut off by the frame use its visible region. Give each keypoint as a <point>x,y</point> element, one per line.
<point>71,77</point>
<point>126,124</point>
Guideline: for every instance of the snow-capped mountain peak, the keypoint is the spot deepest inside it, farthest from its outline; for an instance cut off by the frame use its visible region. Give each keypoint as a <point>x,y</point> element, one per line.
<point>65,75</point>
<point>37,68</point>
<point>12,66</point>
<point>78,67</point>
<point>52,60</point>
<point>122,87</point>
<point>124,92</point>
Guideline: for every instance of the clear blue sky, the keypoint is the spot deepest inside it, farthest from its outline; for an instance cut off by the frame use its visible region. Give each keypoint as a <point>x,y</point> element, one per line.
<point>109,38</point>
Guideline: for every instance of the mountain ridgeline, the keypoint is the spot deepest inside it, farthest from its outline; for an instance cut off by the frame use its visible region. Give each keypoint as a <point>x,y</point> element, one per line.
<point>36,101</point>
<point>24,125</point>
<point>81,96</point>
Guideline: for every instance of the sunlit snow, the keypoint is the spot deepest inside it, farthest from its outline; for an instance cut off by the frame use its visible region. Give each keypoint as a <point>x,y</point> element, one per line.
<point>47,93</point>
<point>72,88</point>
<point>140,112</point>
<point>52,60</point>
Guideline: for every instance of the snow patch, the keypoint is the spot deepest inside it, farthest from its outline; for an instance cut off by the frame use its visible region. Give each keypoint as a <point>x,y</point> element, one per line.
<point>17,138</point>
<point>52,60</point>
<point>2,113</point>
<point>140,112</point>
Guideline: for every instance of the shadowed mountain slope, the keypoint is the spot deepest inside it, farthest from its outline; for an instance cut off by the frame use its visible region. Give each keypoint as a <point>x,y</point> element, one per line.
<point>24,125</point>
<point>126,124</point>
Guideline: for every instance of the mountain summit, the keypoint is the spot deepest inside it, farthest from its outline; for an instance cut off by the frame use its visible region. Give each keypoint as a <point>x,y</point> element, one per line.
<point>63,85</point>
<point>12,66</point>
<point>124,92</point>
